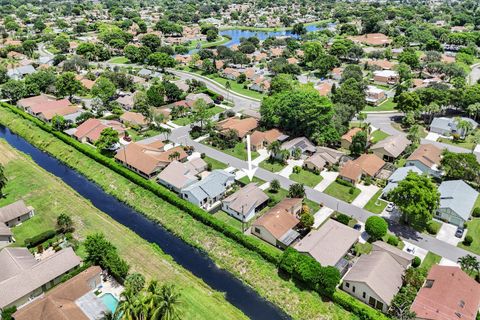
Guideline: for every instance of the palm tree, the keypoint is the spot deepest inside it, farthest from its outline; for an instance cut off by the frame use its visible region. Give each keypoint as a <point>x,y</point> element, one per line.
<point>174,155</point>
<point>474,110</point>
<point>414,134</point>
<point>469,263</point>
<point>274,148</point>
<point>169,306</point>
<point>127,305</point>
<point>464,127</point>
<point>228,86</point>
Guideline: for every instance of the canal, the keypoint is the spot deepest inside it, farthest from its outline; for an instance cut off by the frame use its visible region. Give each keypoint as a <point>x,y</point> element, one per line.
<point>192,259</point>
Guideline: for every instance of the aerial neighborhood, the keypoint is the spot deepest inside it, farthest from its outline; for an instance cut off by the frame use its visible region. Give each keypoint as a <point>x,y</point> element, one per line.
<point>324,154</point>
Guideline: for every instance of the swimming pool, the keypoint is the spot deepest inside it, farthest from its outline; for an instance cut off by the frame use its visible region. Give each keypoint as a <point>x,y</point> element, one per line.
<point>109,301</point>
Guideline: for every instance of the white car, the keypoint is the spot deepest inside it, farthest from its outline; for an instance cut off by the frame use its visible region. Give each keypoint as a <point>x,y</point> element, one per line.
<point>390,207</point>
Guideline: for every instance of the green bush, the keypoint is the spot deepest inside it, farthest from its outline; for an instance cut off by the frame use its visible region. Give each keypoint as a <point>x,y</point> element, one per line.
<point>476,212</point>
<point>357,307</point>
<point>39,238</point>
<point>8,312</point>
<point>265,250</point>
<point>376,227</point>
<point>416,262</point>
<point>342,218</point>
<point>345,183</point>
<point>433,227</point>
<point>393,240</point>
<point>468,240</point>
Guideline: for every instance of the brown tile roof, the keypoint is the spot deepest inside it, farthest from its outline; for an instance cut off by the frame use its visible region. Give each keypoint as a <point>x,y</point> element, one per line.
<point>92,128</point>
<point>279,219</point>
<point>241,126</point>
<point>46,106</point>
<point>370,164</point>
<point>134,118</point>
<point>350,170</point>
<point>428,154</point>
<point>350,134</point>
<point>393,145</point>
<point>63,111</point>
<point>59,303</point>
<point>269,136</point>
<point>246,198</point>
<point>373,39</point>
<point>449,293</point>
<point>384,64</point>
<point>324,88</point>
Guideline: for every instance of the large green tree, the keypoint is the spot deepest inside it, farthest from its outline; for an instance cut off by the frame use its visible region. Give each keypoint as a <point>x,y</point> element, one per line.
<point>67,85</point>
<point>104,89</point>
<point>108,138</point>
<point>3,180</point>
<point>300,112</point>
<point>417,197</point>
<point>462,166</point>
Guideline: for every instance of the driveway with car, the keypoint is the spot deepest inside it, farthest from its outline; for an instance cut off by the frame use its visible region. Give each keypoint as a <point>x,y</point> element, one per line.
<point>447,234</point>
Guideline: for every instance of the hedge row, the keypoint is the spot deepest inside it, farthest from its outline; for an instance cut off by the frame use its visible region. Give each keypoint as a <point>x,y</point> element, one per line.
<point>267,252</point>
<point>357,307</point>
<point>39,238</point>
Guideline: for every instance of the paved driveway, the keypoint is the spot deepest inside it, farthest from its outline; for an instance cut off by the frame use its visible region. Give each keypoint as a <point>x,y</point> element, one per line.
<point>367,193</point>
<point>288,170</point>
<point>417,251</point>
<point>447,234</point>
<point>432,136</point>
<point>321,215</point>
<point>447,262</point>
<point>328,177</point>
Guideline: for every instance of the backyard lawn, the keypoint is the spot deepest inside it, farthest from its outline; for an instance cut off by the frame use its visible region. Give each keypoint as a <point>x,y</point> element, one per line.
<point>342,192</point>
<point>473,230</point>
<point>215,163</point>
<point>277,196</point>
<point>119,60</point>
<point>228,219</point>
<point>387,105</point>
<point>430,259</point>
<point>375,204</point>
<point>378,135</point>
<point>306,177</point>
<point>50,197</point>
<point>273,166</point>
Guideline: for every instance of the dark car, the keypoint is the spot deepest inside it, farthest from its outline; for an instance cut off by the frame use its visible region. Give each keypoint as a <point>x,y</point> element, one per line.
<point>459,232</point>
<point>357,227</point>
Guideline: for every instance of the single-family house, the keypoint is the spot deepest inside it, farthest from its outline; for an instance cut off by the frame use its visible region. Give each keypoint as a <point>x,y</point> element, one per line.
<point>241,126</point>
<point>346,139</point>
<point>385,77</point>
<point>448,293</point>
<point>383,64</point>
<point>134,118</point>
<point>260,84</point>
<point>372,39</point>
<point>90,130</point>
<point>24,278</point>
<point>208,192</point>
<point>277,225</point>
<point>399,175</point>
<point>45,108</point>
<point>262,139</point>
<point>427,158</point>
<point>177,175</point>
<point>231,73</point>
<point>126,101</point>
<point>329,244</point>
<point>375,279</point>
<point>10,216</point>
<point>324,88</point>
<point>65,300</point>
<point>323,157</point>
<point>403,258</point>
<point>391,147</point>
<point>336,73</point>
<point>193,97</point>
<point>457,200</point>
<point>27,103</point>
<point>299,143</point>
<point>449,126</point>
<point>366,165</point>
<point>20,72</point>
<point>375,96</point>
<point>245,203</point>
<point>147,159</point>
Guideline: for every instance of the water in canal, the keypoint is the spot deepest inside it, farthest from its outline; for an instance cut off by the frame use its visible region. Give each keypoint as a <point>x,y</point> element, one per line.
<point>239,295</point>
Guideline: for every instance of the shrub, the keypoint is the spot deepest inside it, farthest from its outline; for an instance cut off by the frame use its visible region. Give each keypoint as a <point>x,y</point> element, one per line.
<point>393,240</point>
<point>351,190</point>
<point>297,169</point>
<point>433,227</point>
<point>203,155</point>
<point>476,212</point>
<point>416,262</point>
<point>40,238</point>
<point>8,312</point>
<point>468,240</point>
<point>376,227</point>
<point>345,183</point>
<point>342,218</point>
<point>357,307</point>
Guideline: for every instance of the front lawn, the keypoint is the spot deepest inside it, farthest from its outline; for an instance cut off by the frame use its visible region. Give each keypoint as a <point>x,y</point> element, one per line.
<point>183,121</point>
<point>245,180</point>
<point>272,165</point>
<point>387,105</point>
<point>119,60</point>
<point>306,177</point>
<point>378,135</point>
<point>277,196</point>
<point>214,163</point>
<point>376,205</point>
<point>342,192</point>
<point>240,151</point>
<point>473,230</point>
<point>237,87</point>
<point>465,143</point>
<point>430,259</point>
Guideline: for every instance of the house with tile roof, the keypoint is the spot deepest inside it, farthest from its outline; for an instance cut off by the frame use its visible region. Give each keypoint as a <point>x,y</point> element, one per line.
<point>427,158</point>
<point>90,130</point>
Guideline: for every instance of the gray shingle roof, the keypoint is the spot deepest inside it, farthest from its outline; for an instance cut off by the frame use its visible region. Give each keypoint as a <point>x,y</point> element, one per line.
<point>458,196</point>
<point>13,211</point>
<point>212,186</point>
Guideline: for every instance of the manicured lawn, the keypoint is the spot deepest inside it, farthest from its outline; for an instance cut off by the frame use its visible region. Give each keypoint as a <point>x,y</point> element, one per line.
<point>183,121</point>
<point>342,192</point>
<point>228,219</point>
<point>306,177</point>
<point>378,135</point>
<point>245,180</point>
<point>238,87</point>
<point>314,207</point>
<point>240,151</point>
<point>375,204</point>
<point>430,259</point>
<point>277,196</point>
<point>215,163</point>
<point>206,44</point>
<point>273,166</point>
<point>466,143</point>
<point>473,230</point>
<point>245,264</point>
<point>387,105</point>
<point>119,60</point>
<point>50,197</point>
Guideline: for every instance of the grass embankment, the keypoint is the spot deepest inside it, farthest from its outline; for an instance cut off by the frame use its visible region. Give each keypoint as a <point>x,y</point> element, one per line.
<point>227,254</point>
<point>205,44</point>
<point>50,197</point>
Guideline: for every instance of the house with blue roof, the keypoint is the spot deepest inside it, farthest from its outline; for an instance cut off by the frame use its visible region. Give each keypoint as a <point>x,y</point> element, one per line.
<point>448,126</point>
<point>208,192</point>
<point>457,201</point>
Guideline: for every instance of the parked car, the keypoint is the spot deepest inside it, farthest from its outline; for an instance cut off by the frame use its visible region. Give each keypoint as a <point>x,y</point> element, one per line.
<point>459,232</point>
<point>390,207</point>
<point>357,227</point>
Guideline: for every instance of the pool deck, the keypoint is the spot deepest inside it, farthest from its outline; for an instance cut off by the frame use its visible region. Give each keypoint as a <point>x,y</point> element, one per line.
<point>92,306</point>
